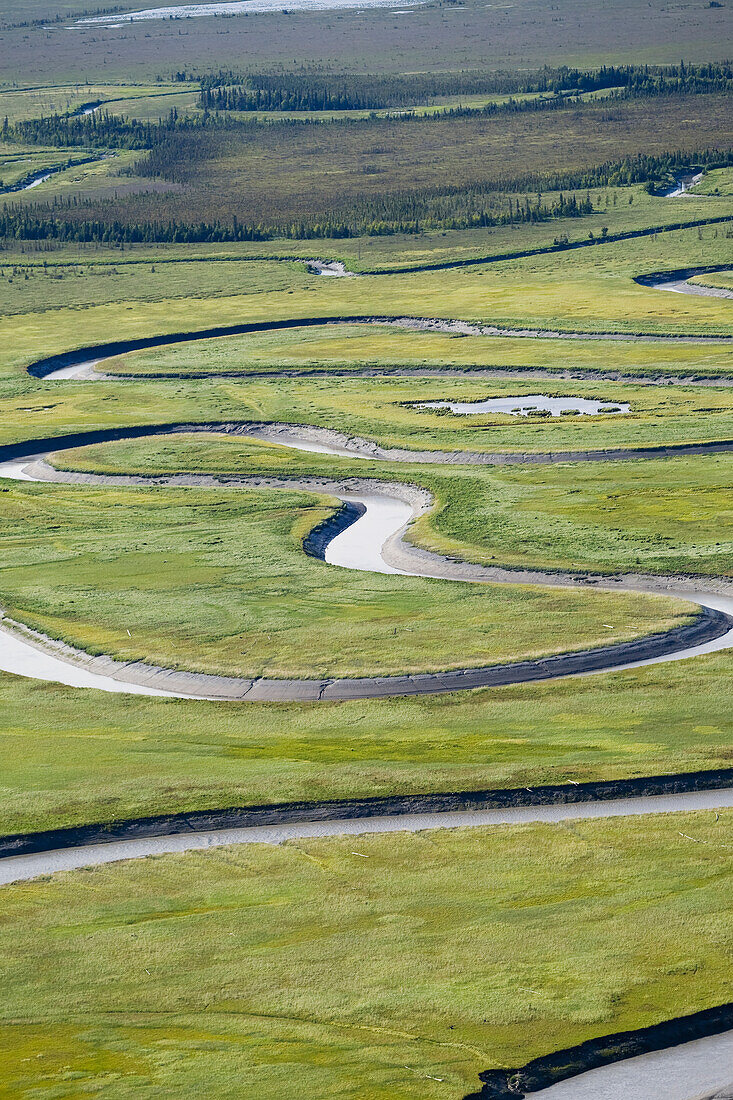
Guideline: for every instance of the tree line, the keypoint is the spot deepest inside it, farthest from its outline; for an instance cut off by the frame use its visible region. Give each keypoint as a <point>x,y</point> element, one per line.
<point>641,168</point>
<point>385,217</point>
<point>102,130</point>
<point>229,91</point>
<point>487,203</point>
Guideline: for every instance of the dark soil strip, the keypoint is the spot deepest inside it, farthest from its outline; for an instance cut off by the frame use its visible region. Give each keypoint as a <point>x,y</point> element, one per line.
<point>108,435</point>
<point>512,1084</point>
<point>47,444</point>
<point>358,808</point>
<point>527,252</point>
<point>708,626</point>
<point>680,274</point>
<point>43,367</point>
<point>550,374</point>
<point>316,541</point>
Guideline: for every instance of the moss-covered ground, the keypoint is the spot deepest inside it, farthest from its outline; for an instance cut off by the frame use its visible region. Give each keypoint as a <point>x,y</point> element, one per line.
<point>218,582</point>
<point>379,967</point>
<point>390,967</point>
<point>667,515</point>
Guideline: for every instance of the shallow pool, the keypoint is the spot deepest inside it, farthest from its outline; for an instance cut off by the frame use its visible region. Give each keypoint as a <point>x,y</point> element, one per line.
<point>531,403</point>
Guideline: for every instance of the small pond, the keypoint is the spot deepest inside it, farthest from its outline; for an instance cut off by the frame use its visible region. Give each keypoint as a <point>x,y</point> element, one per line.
<point>535,404</point>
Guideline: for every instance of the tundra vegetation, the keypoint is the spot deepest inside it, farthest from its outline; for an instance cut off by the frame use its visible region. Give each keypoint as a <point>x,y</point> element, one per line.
<point>253,964</point>
<point>503,167</point>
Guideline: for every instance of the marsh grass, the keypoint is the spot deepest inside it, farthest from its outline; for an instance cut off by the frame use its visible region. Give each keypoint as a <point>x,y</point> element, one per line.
<point>396,967</point>
<point>343,348</point>
<point>722,279</point>
<point>387,409</point>
<point>17,163</point>
<point>390,967</point>
<point>68,277</point>
<point>668,515</point>
<point>73,757</point>
<point>218,582</point>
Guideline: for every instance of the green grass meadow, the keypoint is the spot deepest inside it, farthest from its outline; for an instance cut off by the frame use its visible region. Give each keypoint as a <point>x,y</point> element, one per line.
<point>389,967</point>
<point>113,757</point>
<point>72,757</point>
<point>342,348</point>
<point>374,967</point>
<point>667,515</point>
<point>218,582</point>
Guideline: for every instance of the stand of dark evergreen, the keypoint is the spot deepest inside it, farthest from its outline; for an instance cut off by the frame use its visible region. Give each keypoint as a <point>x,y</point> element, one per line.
<point>171,145</point>
<point>393,214</point>
<point>228,91</point>
<point>101,130</point>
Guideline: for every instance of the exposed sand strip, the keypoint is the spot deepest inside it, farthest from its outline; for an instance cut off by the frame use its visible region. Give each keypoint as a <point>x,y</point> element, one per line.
<point>35,864</point>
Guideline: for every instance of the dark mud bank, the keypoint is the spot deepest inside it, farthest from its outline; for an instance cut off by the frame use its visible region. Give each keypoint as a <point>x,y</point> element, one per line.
<point>43,367</point>
<point>316,541</point>
<point>94,352</point>
<point>358,808</point>
<point>611,238</point>
<point>45,444</point>
<point>30,447</point>
<point>680,274</point>
<point>513,1084</point>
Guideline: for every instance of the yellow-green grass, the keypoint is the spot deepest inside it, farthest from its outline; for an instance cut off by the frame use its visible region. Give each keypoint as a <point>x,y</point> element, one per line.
<point>156,105</point>
<point>385,409</point>
<point>722,279</point>
<point>669,515</point>
<point>717,182</point>
<point>103,177</point>
<point>583,300</point>
<point>87,282</point>
<point>356,347</point>
<point>613,265</point>
<point>697,246</point>
<point>602,304</point>
<point>388,410</point>
<point>218,582</point>
<point>393,967</point>
<point>17,105</point>
<point>618,208</point>
<point>72,757</point>
<point>17,163</point>
<point>75,756</point>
